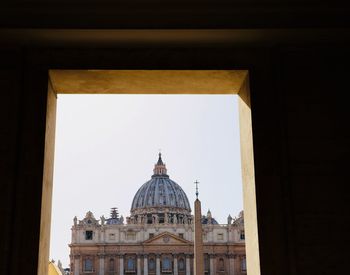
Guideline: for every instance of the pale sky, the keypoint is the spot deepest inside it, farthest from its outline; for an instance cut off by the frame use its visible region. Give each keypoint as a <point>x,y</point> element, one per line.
<point>107,145</point>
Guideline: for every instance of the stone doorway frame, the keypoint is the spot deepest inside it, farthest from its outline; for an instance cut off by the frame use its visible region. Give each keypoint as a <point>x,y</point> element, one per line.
<point>153,82</point>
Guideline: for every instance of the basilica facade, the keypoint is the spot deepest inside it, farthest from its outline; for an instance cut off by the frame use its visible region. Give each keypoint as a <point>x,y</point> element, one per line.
<point>157,238</point>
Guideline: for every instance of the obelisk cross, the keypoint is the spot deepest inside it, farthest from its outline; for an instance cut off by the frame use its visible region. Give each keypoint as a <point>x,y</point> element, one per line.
<point>196,183</point>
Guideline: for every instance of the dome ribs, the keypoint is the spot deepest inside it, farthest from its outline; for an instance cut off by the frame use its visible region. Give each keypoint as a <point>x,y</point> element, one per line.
<point>160,195</point>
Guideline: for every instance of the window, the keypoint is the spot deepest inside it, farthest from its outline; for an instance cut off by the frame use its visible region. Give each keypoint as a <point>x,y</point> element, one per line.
<point>166,264</point>
<point>221,265</point>
<point>220,237</point>
<point>206,264</point>
<point>88,235</point>
<point>181,235</point>
<point>149,219</point>
<point>111,264</point>
<point>244,265</point>
<point>151,264</point>
<point>151,235</point>
<point>130,264</point>
<point>242,235</point>
<point>181,264</point>
<point>131,236</point>
<point>88,266</point>
<point>112,236</point>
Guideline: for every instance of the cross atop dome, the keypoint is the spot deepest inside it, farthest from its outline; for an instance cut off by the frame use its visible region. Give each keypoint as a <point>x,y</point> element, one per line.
<point>159,167</point>
<point>160,161</point>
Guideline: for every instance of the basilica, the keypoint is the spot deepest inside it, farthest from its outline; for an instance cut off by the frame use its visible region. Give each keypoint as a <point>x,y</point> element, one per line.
<point>157,238</point>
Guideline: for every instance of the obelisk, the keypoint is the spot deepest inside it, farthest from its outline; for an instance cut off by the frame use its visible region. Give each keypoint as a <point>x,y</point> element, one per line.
<point>198,239</point>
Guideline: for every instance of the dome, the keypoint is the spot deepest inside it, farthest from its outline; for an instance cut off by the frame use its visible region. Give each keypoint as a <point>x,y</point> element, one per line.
<point>115,219</point>
<point>208,219</point>
<point>205,220</point>
<point>160,194</point>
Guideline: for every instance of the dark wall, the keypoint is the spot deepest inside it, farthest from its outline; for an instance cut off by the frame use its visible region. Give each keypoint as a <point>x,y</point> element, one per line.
<point>157,14</point>
<point>299,85</point>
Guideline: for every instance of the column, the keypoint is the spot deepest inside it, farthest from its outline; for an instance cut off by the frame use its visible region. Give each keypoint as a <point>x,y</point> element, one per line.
<point>231,258</point>
<point>188,265</point>
<point>138,264</point>
<point>175,265</point>
<point>121,264</point>
<point>145,264</point>
<point>158,265</point>
<point>102,264</point>
<point>76,264</point>
<point>212,264</point>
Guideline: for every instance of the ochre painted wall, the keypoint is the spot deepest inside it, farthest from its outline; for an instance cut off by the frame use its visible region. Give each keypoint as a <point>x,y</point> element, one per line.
<point>53,269</point>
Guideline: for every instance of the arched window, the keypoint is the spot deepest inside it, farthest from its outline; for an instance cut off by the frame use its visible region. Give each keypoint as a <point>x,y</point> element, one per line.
<point>151,264</point>
<point>242,235</point>
<point>89,235</point>
<point>166,264</point>
<point>181,264</point>
<point>88,265</point>
<point>131,264</point>
<point>111,264</point>
<point>221,264</point>
<point>244,265</point>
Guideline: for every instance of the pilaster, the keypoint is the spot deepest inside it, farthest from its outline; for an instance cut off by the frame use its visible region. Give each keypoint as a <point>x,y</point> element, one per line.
<point>145,264</point>
<point>158,264</point>
<point>138,264</point>
<point>188,264</point>
<point>231,258</point>
<point>76,264</point>
<point>101,264</point>
<point>121,264</point>
<point>175,265</point>
<point>212,264</point>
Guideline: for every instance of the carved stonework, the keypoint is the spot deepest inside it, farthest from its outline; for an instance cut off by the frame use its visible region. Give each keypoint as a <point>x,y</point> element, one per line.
<point>153,233</point>
<point>101,255</point>
<point>166,239</point>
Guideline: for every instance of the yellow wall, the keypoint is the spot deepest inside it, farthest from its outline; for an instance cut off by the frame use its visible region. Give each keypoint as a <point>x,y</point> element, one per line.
<point>53,269</point>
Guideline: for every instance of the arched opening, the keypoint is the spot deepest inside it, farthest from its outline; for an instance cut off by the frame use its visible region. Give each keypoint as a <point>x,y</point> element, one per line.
<point>166,264</point>
<point>111,266</point>
<point>221,264</point>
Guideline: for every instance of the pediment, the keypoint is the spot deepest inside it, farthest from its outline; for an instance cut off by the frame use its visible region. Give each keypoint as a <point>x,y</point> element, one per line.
<point>166,238</point>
